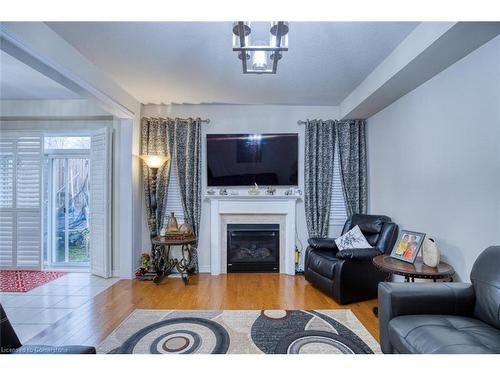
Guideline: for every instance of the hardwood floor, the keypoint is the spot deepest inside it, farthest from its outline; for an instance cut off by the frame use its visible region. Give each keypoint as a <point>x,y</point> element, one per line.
<point>94,321</point>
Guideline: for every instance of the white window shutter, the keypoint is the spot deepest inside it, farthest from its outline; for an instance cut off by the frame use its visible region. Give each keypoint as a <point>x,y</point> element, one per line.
<point>20,200</point>
<point>7,240</point>
<point>7,155</point>
<point>100,203</point>
<point>29,172</point>
<point>28,241</point>
<point>338,212</point>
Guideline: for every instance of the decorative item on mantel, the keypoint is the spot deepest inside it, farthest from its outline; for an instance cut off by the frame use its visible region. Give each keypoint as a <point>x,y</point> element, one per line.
<point>270,190</point>
<point>255,190</point>
<point>223,191</point>
<point>210,191</point>
<point>430,253</point>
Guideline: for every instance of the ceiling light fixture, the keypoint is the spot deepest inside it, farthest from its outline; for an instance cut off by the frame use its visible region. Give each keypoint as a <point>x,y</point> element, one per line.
<point>260,53</point>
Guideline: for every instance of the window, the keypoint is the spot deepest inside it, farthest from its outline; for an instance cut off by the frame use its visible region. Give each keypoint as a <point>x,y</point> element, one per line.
<point>66,143</point>
<point>174,202</point>
<point>338,212</point>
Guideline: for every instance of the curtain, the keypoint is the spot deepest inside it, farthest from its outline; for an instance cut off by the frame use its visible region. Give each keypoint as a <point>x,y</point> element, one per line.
<point>188,163</point>
<point>157,137</point>
<point>352,151</point>
<point>318,173</point>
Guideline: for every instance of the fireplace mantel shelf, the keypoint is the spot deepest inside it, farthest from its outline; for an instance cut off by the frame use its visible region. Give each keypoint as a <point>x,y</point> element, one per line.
<point>254,197</point>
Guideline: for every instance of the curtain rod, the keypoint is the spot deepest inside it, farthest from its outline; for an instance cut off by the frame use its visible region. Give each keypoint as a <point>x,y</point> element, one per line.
<point>301,122</point>
<point>207,121</point>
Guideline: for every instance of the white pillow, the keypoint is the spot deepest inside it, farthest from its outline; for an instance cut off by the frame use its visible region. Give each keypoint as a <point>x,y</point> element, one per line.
<point>353,239</point>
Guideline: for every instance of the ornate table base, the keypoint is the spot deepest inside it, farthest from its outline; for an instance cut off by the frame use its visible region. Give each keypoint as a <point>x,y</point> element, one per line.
<point>164,264</point>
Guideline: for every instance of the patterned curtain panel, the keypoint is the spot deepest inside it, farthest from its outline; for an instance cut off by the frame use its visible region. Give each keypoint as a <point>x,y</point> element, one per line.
<point>318,173</point>
<point>352,151</point>
<point>188,162</point>
<point>157,136</point>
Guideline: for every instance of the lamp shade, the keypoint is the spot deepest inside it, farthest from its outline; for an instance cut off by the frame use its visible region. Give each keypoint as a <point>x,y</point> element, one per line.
<point>154,161</point>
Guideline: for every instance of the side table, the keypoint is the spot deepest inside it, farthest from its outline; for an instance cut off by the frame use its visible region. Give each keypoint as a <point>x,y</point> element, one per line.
<point>164,264</point>
<point>417,270</point>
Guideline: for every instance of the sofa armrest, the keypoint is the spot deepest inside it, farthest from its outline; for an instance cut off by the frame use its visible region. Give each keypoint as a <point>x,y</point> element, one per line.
<point>395,299</point>
<point>323,243</point>
<point>358,254</point>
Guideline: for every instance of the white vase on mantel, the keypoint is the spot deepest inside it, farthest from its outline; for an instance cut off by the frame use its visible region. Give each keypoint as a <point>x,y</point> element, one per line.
<point>430,253</point>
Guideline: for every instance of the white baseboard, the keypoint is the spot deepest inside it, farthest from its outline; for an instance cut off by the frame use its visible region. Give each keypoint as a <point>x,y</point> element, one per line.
<point>204,268</point>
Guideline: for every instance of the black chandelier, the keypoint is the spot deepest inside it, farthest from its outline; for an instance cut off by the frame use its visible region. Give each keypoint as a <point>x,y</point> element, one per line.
<point>260,57</point>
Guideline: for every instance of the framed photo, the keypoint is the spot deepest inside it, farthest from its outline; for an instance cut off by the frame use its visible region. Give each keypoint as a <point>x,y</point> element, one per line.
<point>407,246</point>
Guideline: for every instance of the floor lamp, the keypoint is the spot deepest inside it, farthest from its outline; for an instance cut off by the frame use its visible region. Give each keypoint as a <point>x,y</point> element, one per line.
<point>154,162</point>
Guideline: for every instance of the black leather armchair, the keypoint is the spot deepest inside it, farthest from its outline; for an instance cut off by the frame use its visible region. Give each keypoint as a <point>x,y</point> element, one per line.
<point>349,275</point>
<point>445,318</point>
<point>10,344</point>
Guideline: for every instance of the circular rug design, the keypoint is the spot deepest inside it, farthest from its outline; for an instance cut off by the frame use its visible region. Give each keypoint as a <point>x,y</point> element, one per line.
<point>240,332</point>
<point>317,342</point>
<point>288,334</point>
<point>178,336</point>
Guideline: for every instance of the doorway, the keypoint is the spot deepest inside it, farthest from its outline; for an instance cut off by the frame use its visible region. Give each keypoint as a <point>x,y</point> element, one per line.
<point>66,203</point>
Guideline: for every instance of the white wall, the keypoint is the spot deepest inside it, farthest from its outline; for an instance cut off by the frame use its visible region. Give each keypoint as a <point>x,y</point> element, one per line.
<point>241,119</point>
<point>434,158</point>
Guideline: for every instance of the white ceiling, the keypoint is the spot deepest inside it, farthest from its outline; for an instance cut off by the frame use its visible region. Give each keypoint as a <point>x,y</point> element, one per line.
<point>193,62</point>
<point>19,81</point>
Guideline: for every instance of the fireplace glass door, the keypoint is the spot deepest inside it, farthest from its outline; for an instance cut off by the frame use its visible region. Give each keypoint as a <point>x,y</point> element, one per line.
<point>253,248</point>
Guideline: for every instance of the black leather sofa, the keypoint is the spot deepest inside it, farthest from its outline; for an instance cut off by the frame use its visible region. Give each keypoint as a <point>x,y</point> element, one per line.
<point>349,275</point>
<point>10,344</point>
<point>444,318</point>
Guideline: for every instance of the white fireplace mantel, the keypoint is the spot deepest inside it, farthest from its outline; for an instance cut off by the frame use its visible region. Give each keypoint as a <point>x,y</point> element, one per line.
<point>252,209</point>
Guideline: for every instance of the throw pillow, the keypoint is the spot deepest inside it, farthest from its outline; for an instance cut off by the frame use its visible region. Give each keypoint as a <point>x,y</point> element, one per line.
<point>353,239</point>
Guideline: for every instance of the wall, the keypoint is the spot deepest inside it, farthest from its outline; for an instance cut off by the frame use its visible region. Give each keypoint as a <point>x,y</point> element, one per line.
<point>434,159</point>
<point>241,119</point>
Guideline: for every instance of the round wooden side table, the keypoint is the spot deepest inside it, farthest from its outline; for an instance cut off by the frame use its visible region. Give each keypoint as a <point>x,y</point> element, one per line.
<point>417,270</point>
<point>410,272</point>
<point>164,264</point>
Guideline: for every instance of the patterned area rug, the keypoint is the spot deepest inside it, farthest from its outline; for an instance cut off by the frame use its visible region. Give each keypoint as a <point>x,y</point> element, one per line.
<point>23,281</point>
<point>240,332</point>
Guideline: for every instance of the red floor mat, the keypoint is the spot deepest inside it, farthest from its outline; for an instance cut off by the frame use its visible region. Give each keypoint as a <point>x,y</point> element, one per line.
<point>22,281</point>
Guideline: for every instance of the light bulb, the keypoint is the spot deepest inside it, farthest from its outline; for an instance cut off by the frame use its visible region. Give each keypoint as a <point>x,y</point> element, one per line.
<point>154,161</point>
<point>259,61</point>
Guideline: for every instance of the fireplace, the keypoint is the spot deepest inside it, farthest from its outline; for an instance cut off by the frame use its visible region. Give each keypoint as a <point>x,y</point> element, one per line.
<point>253,247</point>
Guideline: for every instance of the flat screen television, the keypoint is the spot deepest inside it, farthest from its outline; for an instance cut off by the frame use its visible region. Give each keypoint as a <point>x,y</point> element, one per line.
<point>245,159</point>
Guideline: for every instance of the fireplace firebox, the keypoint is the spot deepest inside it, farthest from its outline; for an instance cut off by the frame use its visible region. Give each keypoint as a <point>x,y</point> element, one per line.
<point>253,247</point>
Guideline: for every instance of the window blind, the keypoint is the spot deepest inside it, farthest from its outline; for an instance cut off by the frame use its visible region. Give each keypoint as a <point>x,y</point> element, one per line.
<point>338,212</point>
<point>174,202</point>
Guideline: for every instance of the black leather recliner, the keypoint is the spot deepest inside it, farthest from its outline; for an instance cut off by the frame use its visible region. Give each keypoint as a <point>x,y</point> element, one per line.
<point>349,275</point>
<point>445,318</point>
<point>10,344</point>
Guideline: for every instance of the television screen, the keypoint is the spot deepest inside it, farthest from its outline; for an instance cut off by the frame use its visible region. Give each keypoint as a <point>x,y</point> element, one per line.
<point>245,159</point>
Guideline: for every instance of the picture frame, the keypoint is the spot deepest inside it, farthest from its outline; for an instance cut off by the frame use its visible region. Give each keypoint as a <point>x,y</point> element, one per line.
<point>408,246</point>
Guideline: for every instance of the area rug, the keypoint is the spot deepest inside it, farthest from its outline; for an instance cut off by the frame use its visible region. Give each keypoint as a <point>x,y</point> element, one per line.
<point>23,281</point>
<point>240,332</point>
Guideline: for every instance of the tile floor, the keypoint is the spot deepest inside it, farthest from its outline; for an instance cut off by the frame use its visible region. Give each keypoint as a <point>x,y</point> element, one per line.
<point>32,312</point>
